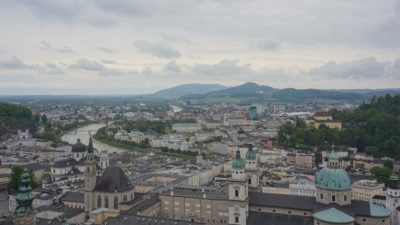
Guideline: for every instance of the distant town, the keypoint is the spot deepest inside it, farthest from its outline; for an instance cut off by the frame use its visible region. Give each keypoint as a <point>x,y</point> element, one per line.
<point>179,161</point>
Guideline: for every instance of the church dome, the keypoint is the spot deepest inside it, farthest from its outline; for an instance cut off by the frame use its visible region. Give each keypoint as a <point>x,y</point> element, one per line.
<point>333,179</point>
<point>250,154</point>
<point>238,163</point>
<point>113,180</point>
<point>79,147</point>
<point>241,131</point>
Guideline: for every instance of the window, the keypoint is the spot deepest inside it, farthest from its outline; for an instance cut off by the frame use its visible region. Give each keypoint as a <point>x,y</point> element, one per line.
<point>333,198</point>
<point>345,198</point>
<point>236,219</point>
<point>321,196</point>
<point>249,181</point>
<point>106,203</point>
<point>98,201</point>
<point>289,212</point>
<point>115,202</point>
<point>236,193</point>
<point>125,198</point>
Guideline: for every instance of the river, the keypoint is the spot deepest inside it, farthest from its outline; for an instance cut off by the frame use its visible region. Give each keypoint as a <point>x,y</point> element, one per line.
<point>84,132</point>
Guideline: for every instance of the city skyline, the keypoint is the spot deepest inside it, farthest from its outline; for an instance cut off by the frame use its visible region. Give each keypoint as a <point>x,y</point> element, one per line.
<point>139,47</point>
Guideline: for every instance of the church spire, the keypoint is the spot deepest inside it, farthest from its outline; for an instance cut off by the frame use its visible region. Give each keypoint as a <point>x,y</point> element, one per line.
<point>90,146</point>
<point>24,197</point>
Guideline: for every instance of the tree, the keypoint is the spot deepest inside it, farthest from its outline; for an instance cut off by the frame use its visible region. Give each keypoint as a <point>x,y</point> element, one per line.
<point>382,174</point>
<point>388,164</point>
<point>36,117</point>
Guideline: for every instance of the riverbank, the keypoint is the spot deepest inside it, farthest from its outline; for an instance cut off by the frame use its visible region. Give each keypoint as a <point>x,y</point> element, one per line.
<point>119,144</point>
<point>129,147</point>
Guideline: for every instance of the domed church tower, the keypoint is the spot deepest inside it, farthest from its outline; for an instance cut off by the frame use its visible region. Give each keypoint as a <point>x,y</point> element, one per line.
<point>252,167</point>
<point>238,192</point>
<point>90,177</point>
<point>24,213</point>
<point>333,183</point>
<point>79,150</point>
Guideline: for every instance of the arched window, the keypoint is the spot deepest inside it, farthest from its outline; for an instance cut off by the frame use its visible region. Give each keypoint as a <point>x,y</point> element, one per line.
<point>115,202</point>
<point>236,193</point>
<point>249,181</point>
<point>333,198</point>
<point>106,203</point>
<point>98,201</point>
<point>321,196</point>
<point>345,198</point>
<point>125,199</point>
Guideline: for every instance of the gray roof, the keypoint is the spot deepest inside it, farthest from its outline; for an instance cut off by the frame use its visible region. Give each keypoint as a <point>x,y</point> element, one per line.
<point>144,203</point>
<point>73,197</point>
<point>113,179</point>
<point>356,208</point>
<point>282,201</point>
<point>256,218</point>
<point>195,191</point>
<point>35,166</point>
<point>124,219</point>
<point>79,147</point>
<point>51,222</point>
<point>67,212</point>
<point>65,163</point>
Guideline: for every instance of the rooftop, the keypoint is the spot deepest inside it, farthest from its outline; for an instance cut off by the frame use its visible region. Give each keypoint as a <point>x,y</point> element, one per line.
<point>125,219</point>
<point>333,215</point>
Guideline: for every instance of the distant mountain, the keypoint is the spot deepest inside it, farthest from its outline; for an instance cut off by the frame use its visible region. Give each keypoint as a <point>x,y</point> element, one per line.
<point>245,90</point>
<point>372,92</point>
<point>254,92</point>
<point>188,89</point>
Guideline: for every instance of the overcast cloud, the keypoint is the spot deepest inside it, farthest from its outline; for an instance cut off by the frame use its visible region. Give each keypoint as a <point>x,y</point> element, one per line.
<point>131,47</point>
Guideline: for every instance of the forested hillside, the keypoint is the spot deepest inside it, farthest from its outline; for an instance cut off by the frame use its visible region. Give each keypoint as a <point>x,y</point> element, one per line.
<point>14,117</point>
<point>373,127</point>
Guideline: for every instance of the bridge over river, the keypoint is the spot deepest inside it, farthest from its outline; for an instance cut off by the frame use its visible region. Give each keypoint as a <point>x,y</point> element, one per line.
<point>84,133</point>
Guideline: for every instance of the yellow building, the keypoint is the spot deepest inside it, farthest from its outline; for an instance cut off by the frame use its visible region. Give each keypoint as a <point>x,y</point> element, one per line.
<point>366,189</point>
<point>324,118</point>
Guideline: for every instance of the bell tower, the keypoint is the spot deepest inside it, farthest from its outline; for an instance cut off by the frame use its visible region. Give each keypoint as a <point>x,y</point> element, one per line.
<point>25,212</point>
<point>90,177</point>
<point>238,192</point>
<point>252,167</point>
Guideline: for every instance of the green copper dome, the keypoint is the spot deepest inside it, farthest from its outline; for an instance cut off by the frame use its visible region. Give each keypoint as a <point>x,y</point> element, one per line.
<point>238,163</point>
<point>250,154</point>
<point>333,215</point>
<point>24,197</point>
<point>333,178</point>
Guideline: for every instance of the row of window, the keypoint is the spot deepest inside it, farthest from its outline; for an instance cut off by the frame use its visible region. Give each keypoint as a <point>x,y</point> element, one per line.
<point>333,197</point>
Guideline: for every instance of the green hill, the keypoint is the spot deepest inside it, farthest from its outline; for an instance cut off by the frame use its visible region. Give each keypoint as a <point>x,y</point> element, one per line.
<point>14,117</point>
<point>373,128</point>
<point>252,92</point>
<point>186,89</point>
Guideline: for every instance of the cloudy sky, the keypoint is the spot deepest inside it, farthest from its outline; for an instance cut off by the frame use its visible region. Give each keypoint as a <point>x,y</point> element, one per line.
<point>135,46</point>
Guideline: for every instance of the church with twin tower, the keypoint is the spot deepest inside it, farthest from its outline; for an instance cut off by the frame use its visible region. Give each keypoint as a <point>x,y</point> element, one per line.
<point>240,199</point>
